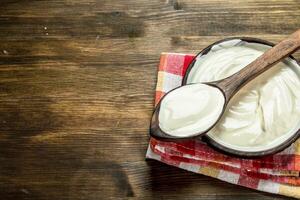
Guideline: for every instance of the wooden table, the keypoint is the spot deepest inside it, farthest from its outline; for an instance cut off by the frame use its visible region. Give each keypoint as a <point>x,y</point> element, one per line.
<point>77,92</point>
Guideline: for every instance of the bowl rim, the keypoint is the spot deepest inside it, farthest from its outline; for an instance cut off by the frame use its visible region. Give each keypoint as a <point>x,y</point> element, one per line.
<point>224,149</point>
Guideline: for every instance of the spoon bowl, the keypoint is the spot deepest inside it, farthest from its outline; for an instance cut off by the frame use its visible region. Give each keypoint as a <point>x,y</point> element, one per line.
<point>179,116</point>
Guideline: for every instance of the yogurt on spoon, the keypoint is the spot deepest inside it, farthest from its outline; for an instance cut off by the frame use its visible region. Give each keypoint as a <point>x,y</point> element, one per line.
<point>190,110</point>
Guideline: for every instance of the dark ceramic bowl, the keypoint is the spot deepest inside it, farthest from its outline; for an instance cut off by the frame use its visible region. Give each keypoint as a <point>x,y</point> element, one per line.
<point>216,144</point>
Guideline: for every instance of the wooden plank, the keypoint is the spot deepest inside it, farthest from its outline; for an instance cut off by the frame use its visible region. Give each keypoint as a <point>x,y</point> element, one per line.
<point>89,19</point>
<point>77,81</point>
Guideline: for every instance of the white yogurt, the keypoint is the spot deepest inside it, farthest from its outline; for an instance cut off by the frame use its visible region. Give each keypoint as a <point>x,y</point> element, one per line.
<point>263,113</point>
<point>190,109</point>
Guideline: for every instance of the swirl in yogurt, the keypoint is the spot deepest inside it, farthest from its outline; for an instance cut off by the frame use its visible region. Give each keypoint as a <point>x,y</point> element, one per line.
<point>264,112</point>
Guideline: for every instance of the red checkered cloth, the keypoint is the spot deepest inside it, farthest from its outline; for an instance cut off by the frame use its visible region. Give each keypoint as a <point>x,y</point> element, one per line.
<point>278,173</point>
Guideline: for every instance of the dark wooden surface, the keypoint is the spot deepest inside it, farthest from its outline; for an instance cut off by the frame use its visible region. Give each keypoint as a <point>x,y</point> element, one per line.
<point>77,80</point>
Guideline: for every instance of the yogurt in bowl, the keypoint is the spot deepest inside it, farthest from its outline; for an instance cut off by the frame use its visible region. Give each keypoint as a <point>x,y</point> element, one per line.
<point>264,116</point>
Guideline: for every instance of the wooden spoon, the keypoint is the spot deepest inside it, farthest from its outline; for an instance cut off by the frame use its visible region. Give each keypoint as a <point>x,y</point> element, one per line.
<point>230,85</point>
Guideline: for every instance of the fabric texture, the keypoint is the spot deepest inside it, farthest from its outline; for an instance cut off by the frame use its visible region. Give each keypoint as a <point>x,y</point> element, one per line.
<point>278,173</point>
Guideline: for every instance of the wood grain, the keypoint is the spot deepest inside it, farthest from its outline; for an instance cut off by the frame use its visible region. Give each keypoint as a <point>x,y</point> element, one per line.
<point>77,82</point>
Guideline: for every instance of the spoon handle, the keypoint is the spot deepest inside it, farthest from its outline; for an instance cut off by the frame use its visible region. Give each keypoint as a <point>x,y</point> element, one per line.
<point>233,83</point>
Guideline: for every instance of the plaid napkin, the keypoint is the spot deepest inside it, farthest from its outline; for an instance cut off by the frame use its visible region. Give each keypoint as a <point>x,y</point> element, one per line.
<point>278,173</point>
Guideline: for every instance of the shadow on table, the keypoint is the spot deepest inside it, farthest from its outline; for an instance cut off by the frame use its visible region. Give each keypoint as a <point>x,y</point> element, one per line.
<point>167,178</point>
<point>169,181</point>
